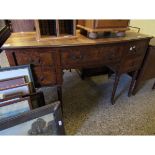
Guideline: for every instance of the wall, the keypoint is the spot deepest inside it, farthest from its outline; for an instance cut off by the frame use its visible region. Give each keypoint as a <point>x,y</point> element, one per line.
<point>147,26</point>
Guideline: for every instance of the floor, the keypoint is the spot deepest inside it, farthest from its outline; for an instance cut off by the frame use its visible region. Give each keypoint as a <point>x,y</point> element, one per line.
<point>88,111</point>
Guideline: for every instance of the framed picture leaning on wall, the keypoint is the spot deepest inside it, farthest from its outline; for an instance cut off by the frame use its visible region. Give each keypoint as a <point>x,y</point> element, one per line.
<point>46,120</point>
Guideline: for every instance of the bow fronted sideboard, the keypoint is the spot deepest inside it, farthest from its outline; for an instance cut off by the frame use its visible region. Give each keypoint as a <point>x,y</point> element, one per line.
<point>50,57</point>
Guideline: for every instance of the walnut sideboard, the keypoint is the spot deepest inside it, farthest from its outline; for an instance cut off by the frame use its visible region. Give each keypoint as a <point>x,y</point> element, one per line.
<point>49,58</point>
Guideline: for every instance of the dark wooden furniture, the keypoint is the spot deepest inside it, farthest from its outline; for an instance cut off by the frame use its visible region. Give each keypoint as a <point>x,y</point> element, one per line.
<point>133,56</point>
<point>92,27</point>
<point>49,58</point>
<point>55,29</point>
<point>147,70</point>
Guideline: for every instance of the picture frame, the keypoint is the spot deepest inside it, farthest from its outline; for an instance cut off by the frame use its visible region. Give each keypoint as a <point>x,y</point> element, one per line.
<point>12,82</point>
<point>37,99</point>
<point>17,71</point>
<point>14,106</point>
<point>46,120</point>
<point>23,89</point>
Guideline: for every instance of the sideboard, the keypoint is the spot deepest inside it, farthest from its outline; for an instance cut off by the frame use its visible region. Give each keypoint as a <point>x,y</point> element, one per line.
<point>49,58</point>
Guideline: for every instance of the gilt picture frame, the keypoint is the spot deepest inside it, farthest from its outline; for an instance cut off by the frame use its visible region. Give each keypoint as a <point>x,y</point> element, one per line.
<point>17,71</point>
<point>23,89</point>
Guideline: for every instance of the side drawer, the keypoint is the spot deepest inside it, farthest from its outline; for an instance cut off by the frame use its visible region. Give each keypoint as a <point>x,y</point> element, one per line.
<point>44,76</point>
<point>131,64</point>
<point>35,57</point>
<point>133,55</point>
<point>135,48</point>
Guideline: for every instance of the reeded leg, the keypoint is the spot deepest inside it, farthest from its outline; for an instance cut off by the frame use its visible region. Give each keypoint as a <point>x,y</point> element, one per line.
<point>117,77</point>
<point>136,86</point>
<point>59,91</point>
<point>153,86</point>
<point>132,83</point>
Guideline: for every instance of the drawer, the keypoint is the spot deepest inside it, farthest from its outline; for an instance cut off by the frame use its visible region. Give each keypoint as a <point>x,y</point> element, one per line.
<point>111,23</point>
<point>131,64</point>
<point>44,76</point>
<point>135,48</point>
<point>89,55</point>
<point>79,56</point>
<point>134,53</point>
<point>110,53</point>
<point>35,57</point>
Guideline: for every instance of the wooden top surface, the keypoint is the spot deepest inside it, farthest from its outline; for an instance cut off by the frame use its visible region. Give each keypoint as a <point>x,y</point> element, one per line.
<point>28,40</point>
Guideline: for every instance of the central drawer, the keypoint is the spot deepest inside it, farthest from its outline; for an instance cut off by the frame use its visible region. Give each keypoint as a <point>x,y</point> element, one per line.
<point>89,55</point>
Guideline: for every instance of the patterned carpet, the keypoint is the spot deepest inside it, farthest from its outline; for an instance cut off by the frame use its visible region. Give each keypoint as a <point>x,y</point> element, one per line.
<point>88,111</point>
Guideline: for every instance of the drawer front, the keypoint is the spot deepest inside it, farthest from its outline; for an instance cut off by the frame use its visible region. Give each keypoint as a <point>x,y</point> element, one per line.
<point>35,57</point>
<point>44,76</point>
<point>131,64</point>
<point>111,23</point>
<point>134,53</point>
<point>136,48</point>
<point>78,56</point>
<point>85,56</point>
<point>110,53</point>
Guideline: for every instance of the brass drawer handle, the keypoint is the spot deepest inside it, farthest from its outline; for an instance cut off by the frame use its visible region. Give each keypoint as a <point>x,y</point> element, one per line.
<point>132,49</point>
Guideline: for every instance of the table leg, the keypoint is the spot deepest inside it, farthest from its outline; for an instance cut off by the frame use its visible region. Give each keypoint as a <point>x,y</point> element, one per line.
<point>117,77</point>
<point>132,83</point>
<point>153,86</point>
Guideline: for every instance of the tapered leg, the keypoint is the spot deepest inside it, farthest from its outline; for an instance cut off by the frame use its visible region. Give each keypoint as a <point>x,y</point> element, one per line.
<point>153,86</point>
<point>117,77</point>
<point>132,83</point>
<point>136,86</point>
<point>59,91</point>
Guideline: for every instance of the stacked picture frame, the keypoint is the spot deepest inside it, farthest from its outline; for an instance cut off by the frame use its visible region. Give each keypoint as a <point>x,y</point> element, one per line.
<point>17,91</point>
<point>23,110</point>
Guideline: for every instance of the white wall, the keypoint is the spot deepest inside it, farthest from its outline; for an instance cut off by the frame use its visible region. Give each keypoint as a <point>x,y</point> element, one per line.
<point>146,26</point>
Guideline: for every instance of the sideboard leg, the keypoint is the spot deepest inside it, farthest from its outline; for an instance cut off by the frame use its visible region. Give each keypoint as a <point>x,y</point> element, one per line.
<point>117,77</point>
<point>153,86</point>
<point>132,83</point>
<point>59,91</point>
